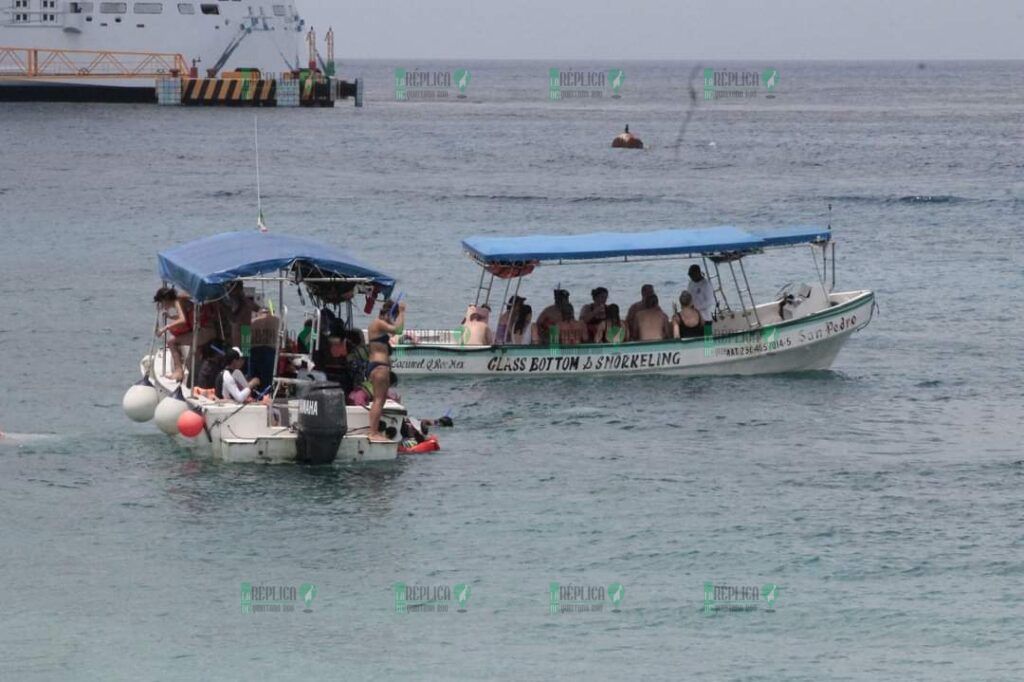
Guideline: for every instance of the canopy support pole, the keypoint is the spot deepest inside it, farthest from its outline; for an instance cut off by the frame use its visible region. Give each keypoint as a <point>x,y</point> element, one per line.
<point>750,295</point>
<point>490,285</point>
<point>480,286</point>
<point>197,315</point>
<point>833,288</point>
<point>504,302</point>
<point>739,293</point>
<point>512,310</point>
<point>716,285</point>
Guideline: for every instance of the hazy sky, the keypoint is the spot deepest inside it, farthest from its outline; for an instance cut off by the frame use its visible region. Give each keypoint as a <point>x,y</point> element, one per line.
<point>667,29</point>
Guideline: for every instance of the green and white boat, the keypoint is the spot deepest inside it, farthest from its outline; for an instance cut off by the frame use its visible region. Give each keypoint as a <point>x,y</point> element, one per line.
<point>803,328</point>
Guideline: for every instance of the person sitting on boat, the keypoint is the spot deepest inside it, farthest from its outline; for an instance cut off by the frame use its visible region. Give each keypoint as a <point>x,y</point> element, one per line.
<point>703,297</point>
<point>611,329</point>
<point>571,332</point>
<point>651,322</point>
<point>508,316</point>
<point>550,317</point>
<point>379,367</point>
<point>522,326</point>
<point>646,291</point>
<point>687,323</point>
<point>593,314</point>
<point>232,384</point>
<point>475,331</point>
<point>211,364</point>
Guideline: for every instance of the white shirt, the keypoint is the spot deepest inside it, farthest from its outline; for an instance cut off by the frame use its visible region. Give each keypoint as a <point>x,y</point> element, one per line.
<point>703,298</point>
<point>233,388</point>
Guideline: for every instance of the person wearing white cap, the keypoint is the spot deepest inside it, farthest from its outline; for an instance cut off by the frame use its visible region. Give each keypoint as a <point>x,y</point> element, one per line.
<point>232,383</point>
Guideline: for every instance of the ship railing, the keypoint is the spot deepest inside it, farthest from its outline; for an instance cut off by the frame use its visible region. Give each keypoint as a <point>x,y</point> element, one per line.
<point>21,62</point>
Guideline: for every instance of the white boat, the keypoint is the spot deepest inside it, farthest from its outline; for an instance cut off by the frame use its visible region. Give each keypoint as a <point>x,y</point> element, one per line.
<point>803,328</point>
<point>281,427</point>
<point>89,49</point>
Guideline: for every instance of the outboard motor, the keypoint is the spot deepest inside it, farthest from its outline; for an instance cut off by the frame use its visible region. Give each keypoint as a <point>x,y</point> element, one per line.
<point>322,422</point>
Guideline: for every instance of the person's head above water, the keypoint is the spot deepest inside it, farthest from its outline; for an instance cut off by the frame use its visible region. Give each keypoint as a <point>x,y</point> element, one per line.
<point>695,274</point>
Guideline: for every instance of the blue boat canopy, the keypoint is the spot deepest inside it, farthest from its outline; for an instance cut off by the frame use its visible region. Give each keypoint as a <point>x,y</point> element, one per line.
<point>204,267</point>
<point>598,245</point>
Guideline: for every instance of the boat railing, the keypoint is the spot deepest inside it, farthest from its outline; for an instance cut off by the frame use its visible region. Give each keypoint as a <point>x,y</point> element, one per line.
<point>438,337</point>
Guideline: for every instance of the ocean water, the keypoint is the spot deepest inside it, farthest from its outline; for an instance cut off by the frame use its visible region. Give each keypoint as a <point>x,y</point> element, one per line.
<point>882,497</point>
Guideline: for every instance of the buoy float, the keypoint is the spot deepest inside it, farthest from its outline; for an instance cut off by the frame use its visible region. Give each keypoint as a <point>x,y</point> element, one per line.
<point>429,445</point>
<point>627,140</point>
<point>140,401</point>
<point>167,412</point>
<point>190,423</point>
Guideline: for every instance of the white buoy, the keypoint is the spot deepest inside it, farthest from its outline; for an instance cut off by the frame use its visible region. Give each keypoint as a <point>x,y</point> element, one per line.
<point>140,402</point>
<point>167,413</point>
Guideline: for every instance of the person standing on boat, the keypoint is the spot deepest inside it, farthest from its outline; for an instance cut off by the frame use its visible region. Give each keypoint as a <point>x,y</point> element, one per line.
<point>703,297</point>
<point>378,370</point>
<point>646,291</point>
<point>179,312</point>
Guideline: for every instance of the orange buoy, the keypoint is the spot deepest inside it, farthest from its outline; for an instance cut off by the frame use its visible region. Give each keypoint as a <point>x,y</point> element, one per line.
<point>190,423</point>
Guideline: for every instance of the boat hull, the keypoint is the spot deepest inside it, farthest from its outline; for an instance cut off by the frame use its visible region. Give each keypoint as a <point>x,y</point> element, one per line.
<point>258,433</point>
<point>808,343</point>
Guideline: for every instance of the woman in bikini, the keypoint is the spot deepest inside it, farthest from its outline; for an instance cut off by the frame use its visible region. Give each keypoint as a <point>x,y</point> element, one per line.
<point>179,312</point>
<point>378,369</point>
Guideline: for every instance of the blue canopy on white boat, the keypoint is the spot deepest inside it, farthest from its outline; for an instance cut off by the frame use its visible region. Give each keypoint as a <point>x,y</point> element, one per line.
<point>203,267</point>
<point>635,244</point>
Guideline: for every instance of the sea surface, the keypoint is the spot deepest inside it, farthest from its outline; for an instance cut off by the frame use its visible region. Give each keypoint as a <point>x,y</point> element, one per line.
<point>883,498</point>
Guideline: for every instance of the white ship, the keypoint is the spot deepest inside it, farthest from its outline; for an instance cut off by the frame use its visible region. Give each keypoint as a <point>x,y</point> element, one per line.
<point>62,49</point>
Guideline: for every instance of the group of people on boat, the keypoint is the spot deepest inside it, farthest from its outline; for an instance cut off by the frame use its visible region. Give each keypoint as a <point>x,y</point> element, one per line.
<point>225,372</point>
<point>598,322</point>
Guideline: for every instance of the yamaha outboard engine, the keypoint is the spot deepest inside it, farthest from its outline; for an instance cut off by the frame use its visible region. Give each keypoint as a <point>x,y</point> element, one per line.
<point>322,422</point>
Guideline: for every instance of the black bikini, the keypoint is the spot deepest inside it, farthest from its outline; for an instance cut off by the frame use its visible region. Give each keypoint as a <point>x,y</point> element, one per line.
<point>385,340</point>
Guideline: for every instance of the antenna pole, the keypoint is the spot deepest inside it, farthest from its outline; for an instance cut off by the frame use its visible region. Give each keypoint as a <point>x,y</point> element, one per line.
<point>259,197</point>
